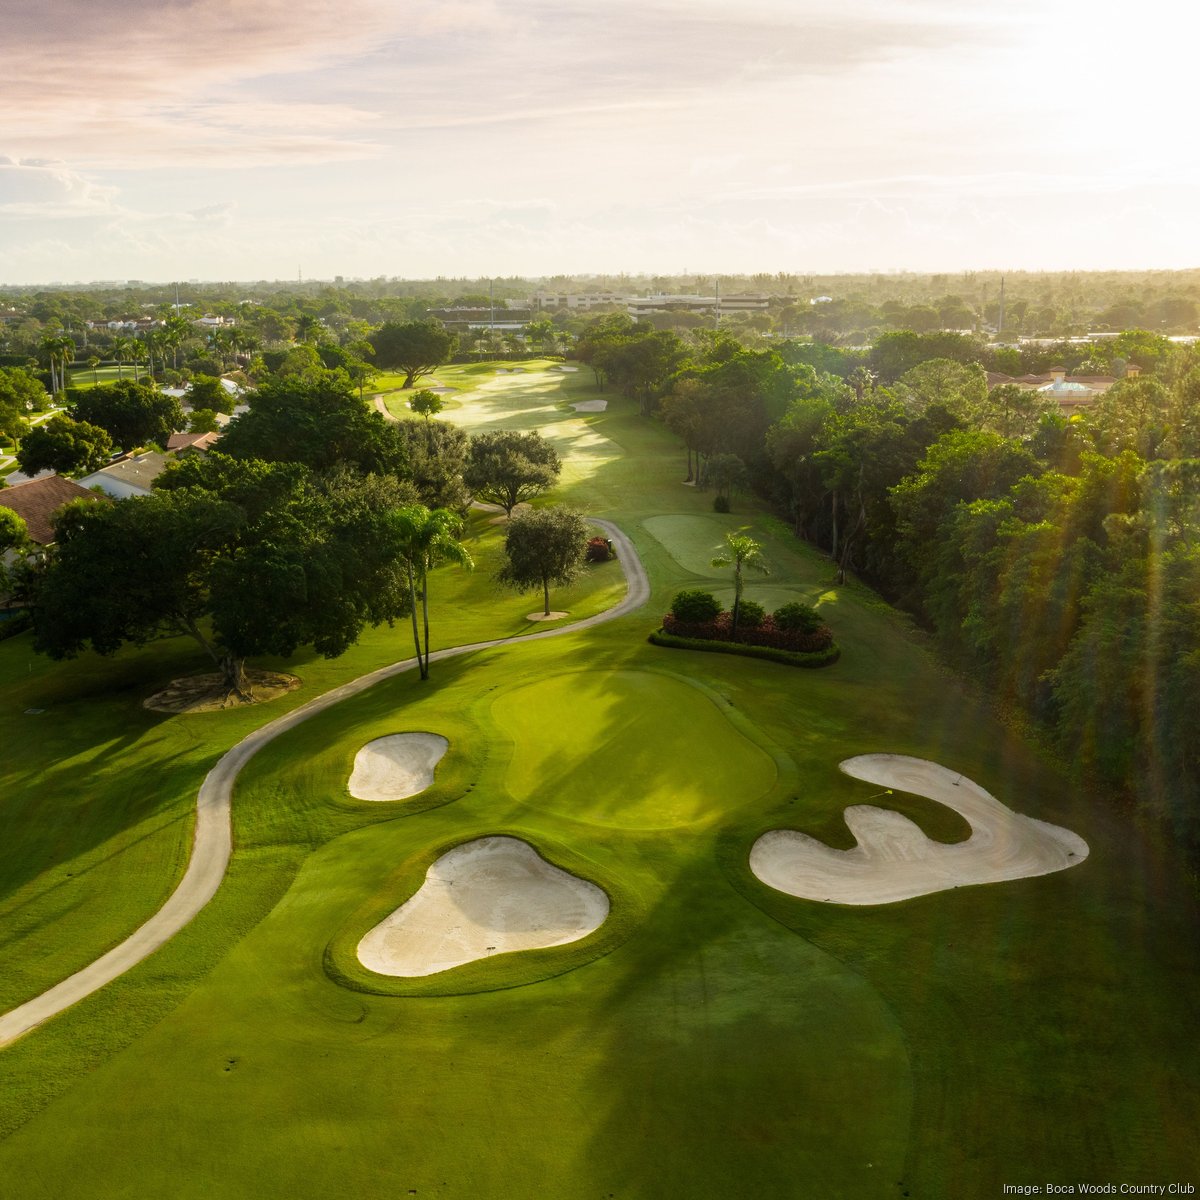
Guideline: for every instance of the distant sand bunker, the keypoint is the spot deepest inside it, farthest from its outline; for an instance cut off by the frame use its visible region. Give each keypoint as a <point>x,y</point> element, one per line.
<point>590,406</point>
<point>397,766</point>
<point>894,860</point>
<point>490,896</point>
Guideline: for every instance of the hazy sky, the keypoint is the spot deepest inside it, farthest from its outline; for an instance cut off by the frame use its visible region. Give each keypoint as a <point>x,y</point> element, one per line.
<point>243,139</point>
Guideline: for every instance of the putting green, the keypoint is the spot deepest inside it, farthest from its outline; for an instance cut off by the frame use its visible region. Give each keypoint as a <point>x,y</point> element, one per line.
<point>627,749</point>
<point>693,540</point>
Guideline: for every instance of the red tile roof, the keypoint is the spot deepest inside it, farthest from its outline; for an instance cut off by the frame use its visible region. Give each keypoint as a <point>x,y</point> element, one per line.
<point>39,499</point>
<point>191,441</point>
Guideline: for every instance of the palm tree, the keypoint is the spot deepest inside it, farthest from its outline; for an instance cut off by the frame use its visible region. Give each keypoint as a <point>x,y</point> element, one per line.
<point>176,330</point>
<point>741,551</point>
<point>308,329</point>
<point>139,353</point>
<point>242,340</point>
<point>427,539</point>
<point>120,351</point>
<point>221,340</point>
<point>93,362</point>
<point>48,353</point>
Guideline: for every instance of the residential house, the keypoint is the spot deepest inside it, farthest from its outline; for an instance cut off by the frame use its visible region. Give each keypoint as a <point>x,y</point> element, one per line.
<point>129,477</point>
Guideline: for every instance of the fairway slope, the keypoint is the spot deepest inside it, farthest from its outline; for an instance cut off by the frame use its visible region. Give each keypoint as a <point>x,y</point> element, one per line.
<point>493,895</point>
<point>894,860</point>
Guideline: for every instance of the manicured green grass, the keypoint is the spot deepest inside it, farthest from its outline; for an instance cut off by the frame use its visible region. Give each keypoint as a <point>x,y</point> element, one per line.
<point>84,377</point>
<point>568,733</point>
<point>713,1039</point>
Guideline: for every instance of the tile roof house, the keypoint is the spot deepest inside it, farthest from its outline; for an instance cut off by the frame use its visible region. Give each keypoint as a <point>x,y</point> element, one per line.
<point>129,477</point>
<point>39,499</point>
<point>177,443</point>
<point>1071,393</point>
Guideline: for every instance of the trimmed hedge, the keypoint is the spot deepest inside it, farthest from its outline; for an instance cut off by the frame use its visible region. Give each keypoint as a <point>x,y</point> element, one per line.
<point>751,615</point>
<point>765,635</point>
<point>695,607</point>
<point>790,658</point>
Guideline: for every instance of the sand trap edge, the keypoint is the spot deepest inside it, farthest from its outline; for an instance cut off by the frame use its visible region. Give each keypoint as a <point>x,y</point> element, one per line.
<point>473,891</point>
<point>628,911</point>
<point>384,773</point>
<point>865,876</point>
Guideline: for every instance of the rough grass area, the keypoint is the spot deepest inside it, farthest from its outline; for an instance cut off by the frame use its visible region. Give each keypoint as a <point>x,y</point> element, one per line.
<point>715,1039</point>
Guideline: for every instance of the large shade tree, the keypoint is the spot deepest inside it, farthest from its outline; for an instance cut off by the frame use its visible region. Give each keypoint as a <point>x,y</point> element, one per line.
<point>133,414</point>
<point>65,446</point>
<point>415,347</point>
<point>314,419</point>
<point>246,558</point>
<point>544,546</point>
<point>507,468</point>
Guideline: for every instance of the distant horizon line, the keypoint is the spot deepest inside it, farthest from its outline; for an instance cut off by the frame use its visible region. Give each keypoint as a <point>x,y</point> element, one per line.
<point>342,280</point>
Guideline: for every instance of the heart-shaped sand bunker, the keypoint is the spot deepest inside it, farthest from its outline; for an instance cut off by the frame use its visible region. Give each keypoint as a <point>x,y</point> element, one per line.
<point>894,860</point>
<point>397,766</point>
<point>490,896</point>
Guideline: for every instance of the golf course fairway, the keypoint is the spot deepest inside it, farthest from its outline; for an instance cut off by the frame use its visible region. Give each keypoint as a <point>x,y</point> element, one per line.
<point>711,1038</point>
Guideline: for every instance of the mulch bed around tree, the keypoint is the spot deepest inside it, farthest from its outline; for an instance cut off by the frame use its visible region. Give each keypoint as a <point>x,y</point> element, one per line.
<point>208,693</point>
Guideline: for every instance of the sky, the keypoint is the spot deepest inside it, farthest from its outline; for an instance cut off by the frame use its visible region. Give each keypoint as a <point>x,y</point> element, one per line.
<point>266,139</point>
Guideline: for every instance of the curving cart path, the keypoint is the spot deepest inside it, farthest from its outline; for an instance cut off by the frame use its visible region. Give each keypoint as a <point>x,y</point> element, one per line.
<point>213,840</point>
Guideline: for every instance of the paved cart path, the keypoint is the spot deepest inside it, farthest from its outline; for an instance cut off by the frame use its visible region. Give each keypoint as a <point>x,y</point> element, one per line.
<point>213,840</point>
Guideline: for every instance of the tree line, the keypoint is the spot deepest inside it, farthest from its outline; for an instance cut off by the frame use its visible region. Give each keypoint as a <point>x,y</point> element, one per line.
<point>316,519</point>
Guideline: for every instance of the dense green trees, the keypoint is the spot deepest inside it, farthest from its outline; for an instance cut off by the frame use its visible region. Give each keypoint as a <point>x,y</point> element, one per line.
<point>244,557</point>
<point>315,419</point>
<point>65,446</point>
<point>133,414</point>
<point>20,395</point>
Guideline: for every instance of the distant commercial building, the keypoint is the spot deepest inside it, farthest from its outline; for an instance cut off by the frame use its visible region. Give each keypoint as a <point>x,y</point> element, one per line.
<point>583,302</point>
<point>640,306</point>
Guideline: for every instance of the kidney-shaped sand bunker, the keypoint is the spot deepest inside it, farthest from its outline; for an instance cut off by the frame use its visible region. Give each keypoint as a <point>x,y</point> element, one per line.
<point>397,766</point>
<point>493,895</point>
<point>894,860</point>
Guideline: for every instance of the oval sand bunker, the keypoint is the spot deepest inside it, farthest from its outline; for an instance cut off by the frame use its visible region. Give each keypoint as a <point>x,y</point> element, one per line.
<point>894,860</point>
<point>397,766</point>
<point>490,896</point>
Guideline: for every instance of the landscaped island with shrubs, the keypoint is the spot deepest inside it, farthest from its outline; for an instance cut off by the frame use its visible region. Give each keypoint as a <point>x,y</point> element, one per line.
<point>794,634</point>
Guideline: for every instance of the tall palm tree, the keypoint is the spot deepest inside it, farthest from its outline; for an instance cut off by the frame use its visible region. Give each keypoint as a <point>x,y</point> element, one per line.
<point>427,539</point>
<point>243,342</point>
<point>139,352</point>
<point>221,341</point>
<point>66,356</point>
<point>48,353</point>
<point>120,351</point>
<point>741,551</point>
<point>177,330</point>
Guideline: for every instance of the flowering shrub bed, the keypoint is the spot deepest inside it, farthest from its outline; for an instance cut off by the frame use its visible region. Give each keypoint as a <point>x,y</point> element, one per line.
<point>766,634</point>
<point>599,550</point>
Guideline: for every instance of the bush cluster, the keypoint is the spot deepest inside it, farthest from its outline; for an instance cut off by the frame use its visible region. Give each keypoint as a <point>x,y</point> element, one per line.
<point>600,550</point>
<point>796,628</point>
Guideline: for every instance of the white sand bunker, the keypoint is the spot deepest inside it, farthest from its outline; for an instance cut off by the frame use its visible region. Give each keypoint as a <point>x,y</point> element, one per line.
<point>590,406</point>
<point>894,860</point>
<point>397,766</point>
<point>494,895</point>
